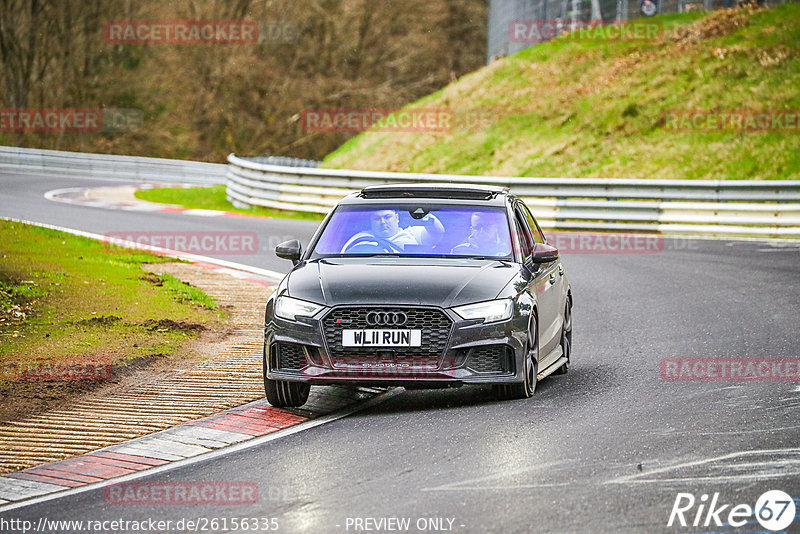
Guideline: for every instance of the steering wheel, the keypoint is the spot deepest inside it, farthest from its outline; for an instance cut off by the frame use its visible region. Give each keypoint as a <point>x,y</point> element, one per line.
<point>383,244</point>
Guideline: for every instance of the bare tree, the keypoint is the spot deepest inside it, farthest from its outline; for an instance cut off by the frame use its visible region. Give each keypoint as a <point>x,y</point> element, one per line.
<point>204,101</point>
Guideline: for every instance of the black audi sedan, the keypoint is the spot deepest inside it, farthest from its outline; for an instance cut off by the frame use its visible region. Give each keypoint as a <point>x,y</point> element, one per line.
<point>422,286</point>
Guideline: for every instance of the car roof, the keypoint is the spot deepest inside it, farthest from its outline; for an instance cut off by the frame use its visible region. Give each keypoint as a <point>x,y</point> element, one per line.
<point>446,191</point>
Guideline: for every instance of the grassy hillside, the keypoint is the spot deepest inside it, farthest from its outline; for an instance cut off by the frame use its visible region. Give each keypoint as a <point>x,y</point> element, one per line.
<point>577,109</point>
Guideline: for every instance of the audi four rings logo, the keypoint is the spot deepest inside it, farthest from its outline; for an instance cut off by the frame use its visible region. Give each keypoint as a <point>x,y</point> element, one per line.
<point>386,318</point>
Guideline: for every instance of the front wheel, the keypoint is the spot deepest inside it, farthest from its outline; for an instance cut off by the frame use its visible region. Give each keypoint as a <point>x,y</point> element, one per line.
<point>527,388</point>
<point>285,394</point>
<point>282,393</point>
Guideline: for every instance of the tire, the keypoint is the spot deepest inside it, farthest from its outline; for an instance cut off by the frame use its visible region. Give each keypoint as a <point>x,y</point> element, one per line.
<point>525,389</point>
<point>566,339</point>
<point>284,394</point>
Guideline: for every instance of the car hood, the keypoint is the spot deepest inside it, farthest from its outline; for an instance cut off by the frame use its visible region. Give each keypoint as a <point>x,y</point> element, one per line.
<point>445,283</point>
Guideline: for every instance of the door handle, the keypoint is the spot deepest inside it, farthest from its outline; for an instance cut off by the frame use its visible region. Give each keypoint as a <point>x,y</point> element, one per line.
<point>552,278</point>
<point>561,270</point>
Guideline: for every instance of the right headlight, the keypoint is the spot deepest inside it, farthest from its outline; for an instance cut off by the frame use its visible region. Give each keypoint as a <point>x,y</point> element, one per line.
<point>490,311</point>
<point>289,308</point>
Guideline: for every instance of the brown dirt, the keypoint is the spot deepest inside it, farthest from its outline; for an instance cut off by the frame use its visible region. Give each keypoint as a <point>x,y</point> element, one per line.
<point>153,279</point>
<point>34,397</point>
<point>169,324</point>
<point>717,24</point>
<point>219,369</point>
<point>27,398</point>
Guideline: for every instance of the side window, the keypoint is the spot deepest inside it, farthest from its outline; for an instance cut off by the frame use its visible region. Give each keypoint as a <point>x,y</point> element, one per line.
<point>538,236</point>
<point>523,234</point>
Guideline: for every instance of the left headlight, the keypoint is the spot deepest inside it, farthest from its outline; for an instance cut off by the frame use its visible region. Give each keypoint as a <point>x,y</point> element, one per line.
<point>289,308</point>
<point>490,311</point>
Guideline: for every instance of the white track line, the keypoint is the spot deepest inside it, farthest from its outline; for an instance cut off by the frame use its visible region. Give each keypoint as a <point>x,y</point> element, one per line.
<point>638,478</point>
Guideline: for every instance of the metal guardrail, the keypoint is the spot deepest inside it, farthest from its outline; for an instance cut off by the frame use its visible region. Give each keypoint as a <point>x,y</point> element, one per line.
<point>285,161</point>
<point>80,164</point>
<point>698,207</point>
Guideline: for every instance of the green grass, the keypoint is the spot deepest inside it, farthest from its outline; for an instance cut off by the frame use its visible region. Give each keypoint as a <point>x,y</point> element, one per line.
<point>213,198</point>
<point>595,109</point>
<point>11,293</point>
<point>63,296</point>
<point>187,292</point>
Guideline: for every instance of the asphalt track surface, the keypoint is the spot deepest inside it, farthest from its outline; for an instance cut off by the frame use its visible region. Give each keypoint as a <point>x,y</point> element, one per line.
<point>606,448</point>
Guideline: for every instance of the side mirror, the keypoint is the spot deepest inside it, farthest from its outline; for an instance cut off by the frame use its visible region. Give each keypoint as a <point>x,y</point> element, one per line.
<point>289,250</point>
<point>544,253</point>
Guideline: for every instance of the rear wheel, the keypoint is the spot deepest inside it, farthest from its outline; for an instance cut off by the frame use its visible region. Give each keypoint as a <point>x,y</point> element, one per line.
<point>566,339</point>
<point>525,389</point>
<point>282,393</point>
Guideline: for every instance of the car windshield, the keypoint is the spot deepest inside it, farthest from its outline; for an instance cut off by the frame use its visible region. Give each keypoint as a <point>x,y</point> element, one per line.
<point>416,230</point>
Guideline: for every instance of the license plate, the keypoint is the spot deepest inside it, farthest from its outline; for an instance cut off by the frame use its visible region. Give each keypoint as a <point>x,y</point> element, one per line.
<point>381,338</point>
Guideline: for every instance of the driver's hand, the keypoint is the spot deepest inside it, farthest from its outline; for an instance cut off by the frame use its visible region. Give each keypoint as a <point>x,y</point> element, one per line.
<point>429,219</point>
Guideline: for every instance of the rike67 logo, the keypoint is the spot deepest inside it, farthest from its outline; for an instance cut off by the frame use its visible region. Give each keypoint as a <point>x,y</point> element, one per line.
<point>774,510</point>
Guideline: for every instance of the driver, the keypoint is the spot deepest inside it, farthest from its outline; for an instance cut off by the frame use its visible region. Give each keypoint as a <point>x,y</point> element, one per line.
<point>484,238</point>
<point>385,225</point>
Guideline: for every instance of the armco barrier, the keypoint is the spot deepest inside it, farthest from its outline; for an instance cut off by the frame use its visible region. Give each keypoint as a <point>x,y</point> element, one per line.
<point>697,207</point>
<point>761,208</point>
<point>135,168</point>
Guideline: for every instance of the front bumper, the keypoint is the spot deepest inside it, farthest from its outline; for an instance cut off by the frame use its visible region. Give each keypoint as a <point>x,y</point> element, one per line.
<point>466,352</point>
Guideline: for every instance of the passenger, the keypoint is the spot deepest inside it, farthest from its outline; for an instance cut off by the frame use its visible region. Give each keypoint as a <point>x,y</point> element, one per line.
<point>385,225</point>
<point>484,238</point>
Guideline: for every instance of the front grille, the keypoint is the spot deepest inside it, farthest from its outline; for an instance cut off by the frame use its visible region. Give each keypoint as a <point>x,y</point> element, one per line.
<point>490,359</point>
<point>434,325</point>
<point>291,356</point>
